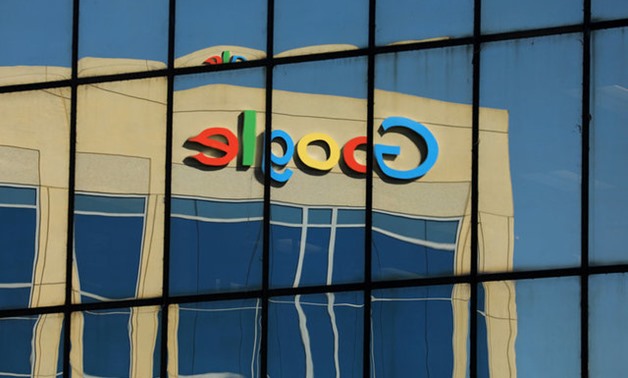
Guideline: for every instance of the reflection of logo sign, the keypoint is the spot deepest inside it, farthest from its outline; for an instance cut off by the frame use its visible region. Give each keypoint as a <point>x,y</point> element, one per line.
<point>229,145</point>
<point>225,57</point>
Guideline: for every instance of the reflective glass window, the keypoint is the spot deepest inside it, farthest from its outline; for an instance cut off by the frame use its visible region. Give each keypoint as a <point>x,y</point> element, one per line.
<point>117,36</point>
<point>535,90</point>
<point>18,235</point>
<point>108,245</point>
<point>306,27</point>
<point>316,335</point>
<point>217,338</point>
<point>404,21</point>
<point>36,40</point>
<point>419,329</point>
<point>608,333</point>
<point>503,16</point>
<point>119,202</point>
<point>317,224</point>
<point>116,343</point>
<point>31,346</point>
<point>609,147</point>
<point>530,328</point>
<point>217,185</point>
<point>34,166</point>
<point>422,181</point>
<point>218,32</point>
<point>608,9</point>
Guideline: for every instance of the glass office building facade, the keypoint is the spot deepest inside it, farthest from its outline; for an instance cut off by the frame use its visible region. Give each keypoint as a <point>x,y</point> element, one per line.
<point>283,188</point>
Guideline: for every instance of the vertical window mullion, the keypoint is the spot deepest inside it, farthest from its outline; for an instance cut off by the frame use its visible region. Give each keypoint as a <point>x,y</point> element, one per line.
<point>269,65</point>
<point>368,220</point>
<point>475,139</point>
<point>67,313</point>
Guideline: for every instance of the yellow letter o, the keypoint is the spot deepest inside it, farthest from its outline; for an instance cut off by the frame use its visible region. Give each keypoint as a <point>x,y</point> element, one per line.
<point>332,159</point>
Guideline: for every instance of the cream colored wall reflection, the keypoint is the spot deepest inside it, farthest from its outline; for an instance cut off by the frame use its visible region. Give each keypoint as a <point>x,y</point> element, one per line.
<point>34,152</point>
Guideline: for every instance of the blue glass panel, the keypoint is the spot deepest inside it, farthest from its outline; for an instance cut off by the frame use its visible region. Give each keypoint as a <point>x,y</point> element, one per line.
<point>349,255</point>
<point>341,77</point>
<point>442,74</point>
<point>235,22</point>
<point>414,228</point>
<point>536,81</point>
<point>201,263</point>
<point>441,231</point>
<point>36,33</point>
<point>508,15</point>
<point>18,237</point>
<point>302,23</point>
<point>409,20</point>
<point>350,216</point>
<point>106,343</point>
<point>394,258</point>
<point>135,29</point>
<point>609,147</point>
<point>17,244</point>
<point>608,332</point>
<point>16,341</point>
<point>18,196</point>
<point>321,333</point>
<point>108,251</point>
<point>608,9</point>
<point>548,327</point>
<point>216,209</point>
<point>111,205</point>
<point>413,331</point>
<point>15,297</point>
<point>219,337</point>
<point>319,216</point>
<point>284,242</point>
<point>315,257</point>
<point>286,214</point>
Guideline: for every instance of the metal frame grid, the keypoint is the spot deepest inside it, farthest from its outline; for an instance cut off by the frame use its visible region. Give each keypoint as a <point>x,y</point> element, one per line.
<point>474,278</point>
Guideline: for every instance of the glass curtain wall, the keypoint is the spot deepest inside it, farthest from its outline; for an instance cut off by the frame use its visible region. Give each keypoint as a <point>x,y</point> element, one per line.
<point>288,188</point>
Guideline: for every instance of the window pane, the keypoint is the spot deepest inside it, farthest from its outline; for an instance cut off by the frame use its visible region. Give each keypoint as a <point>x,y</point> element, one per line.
<point>609,142</point>
<point>36,40</point>
<point>119,190</point>
<point>509,15</point>
<point>217,188</point>
<point>214,32</point>
<point>422,330</point>
<point>316,335</point>
<point>400,21</point>
<point>608,9</point>
<point>34,165</point>
<point>306,27</point>
<point>217,338</point>
<point>497,329</point>
<point>116,343</point>
<point>119,36</point>
<point>317,108</point>
<point>421,191</point>
<point>537,84</point>
<point>608,333</point>
<point>31,346</point>
<point>530,326</point>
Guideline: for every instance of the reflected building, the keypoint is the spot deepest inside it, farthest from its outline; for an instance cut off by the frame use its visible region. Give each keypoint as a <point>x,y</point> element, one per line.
<point>421,228</point>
